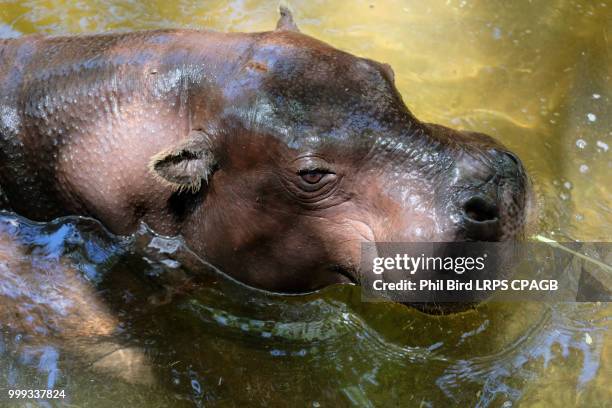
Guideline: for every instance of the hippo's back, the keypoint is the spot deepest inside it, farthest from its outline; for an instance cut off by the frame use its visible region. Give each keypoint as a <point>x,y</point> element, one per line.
<point>11,72</point>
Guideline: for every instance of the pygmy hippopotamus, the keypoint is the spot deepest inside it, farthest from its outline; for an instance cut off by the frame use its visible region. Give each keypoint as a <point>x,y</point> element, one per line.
<point>273,154</point>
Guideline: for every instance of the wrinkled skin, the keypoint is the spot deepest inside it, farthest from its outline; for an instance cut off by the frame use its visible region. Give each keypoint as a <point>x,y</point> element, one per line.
<point>274,154</point>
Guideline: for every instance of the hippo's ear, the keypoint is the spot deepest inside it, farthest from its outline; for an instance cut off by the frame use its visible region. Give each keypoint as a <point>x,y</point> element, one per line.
<point>285,22</point>
<point>388,71</point>
<point>185,165</point>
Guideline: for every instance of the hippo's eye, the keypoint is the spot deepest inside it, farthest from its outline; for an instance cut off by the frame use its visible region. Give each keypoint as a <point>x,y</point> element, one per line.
<point>313,176</point>
<point>312,179</point>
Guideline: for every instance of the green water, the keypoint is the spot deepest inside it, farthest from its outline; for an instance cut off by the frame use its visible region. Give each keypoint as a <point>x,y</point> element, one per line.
<point>534,74</point>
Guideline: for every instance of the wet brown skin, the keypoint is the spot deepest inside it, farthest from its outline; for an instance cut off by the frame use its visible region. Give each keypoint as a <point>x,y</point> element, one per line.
<point>273,154</point>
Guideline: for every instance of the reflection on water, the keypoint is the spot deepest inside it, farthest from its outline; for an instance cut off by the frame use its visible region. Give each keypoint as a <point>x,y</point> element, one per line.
<point>145,321</point>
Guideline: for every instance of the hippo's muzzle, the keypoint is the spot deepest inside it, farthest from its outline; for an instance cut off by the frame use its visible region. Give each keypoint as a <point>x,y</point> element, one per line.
<point>492,190</point>
<point>483,194</point>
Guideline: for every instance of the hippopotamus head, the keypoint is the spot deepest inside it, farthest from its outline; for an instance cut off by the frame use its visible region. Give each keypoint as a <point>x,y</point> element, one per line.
<point>312,153</point>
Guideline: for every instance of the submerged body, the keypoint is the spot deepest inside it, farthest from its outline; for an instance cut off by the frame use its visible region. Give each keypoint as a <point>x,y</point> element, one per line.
<point>274,154</point>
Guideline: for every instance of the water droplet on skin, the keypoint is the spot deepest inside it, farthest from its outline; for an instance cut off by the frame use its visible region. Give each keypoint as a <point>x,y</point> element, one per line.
<point>583,168</point>
<point>581,143</point>
<point>588,339</point>
<point>567,185</point>
<point>596,96</point>
<point>579,217</point>
<point>591,117</point>
<point>564,196</point>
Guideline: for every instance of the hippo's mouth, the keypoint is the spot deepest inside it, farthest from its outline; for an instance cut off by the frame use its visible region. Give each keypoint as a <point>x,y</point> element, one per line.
<point>345,275</point>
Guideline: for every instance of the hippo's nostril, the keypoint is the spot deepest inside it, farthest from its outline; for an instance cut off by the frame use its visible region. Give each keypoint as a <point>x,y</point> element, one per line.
<point>513,157</point>
<point>507,163</point>
<point>479,210</point>
<point>505,156</point>
<point>481,219</point>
